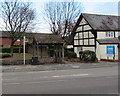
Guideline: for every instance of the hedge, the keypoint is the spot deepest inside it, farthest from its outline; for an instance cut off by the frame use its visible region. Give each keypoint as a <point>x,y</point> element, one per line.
<point>5,55</point>
<point>7,49</point>
<point>70,54</point>
<point>87,56</point>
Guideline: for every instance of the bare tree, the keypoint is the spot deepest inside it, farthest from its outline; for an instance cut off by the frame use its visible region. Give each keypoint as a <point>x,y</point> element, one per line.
<point>18,18</point>
<point>61,16</point>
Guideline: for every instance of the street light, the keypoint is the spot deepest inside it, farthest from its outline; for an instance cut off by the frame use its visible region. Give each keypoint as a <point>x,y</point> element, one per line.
<point>24,50</point>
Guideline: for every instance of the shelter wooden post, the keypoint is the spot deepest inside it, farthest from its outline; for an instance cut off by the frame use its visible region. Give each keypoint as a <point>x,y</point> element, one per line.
<point>33,49</point>
<point>37,50</point>
<point>63,52</point>
<point>41,50</point>
<point>49,49</point>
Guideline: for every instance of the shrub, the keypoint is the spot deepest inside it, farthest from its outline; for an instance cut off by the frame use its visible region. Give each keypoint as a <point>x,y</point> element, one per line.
<point>87,56</point>
<point>70,54</point>
<point>16,49</point>
<point>5,49</point>
<point>5,55</point>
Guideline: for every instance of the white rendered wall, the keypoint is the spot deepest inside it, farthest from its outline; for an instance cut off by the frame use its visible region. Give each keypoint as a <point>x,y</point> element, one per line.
<point>79,29</point>
<point>89,48</point>
<point>98,50</point>
<point>103,54</point>
<point>83,21</point>
<point>101,49</point>
<point>117,33</point>
<point>87,27</point>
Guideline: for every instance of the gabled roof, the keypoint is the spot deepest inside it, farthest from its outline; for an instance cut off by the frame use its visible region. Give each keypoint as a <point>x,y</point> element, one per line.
<point>108,41</point>
<point>100,22</point>
<point>41,38</point>
<point>48,39</point>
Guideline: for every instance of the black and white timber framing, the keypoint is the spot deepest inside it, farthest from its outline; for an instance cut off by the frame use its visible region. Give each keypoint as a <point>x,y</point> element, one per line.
<point>92,27</point>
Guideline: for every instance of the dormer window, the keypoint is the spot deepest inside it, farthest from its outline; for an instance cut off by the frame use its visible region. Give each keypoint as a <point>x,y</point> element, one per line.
<point>109,34</point>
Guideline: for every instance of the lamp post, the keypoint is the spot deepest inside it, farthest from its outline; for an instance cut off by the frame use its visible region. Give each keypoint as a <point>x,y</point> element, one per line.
<point>24,50</point>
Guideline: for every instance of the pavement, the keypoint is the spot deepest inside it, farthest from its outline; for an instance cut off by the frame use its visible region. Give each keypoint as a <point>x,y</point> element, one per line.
<point>46,67</point>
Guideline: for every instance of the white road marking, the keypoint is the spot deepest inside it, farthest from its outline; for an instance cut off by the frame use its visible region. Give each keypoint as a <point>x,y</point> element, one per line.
<point>7,79</point>
<point>34,82</point>
<point>73,75</point>
<point>76,66</point>
<point>38,72</point>
<point>11,83</point>
<point>43,82</point>
<point>55,76</point>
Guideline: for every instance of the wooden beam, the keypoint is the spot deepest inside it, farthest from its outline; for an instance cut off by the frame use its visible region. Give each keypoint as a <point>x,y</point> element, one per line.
<point>84,45</point>
<point>83,31</point>
<point>82,25</point>
<point>85,38</point>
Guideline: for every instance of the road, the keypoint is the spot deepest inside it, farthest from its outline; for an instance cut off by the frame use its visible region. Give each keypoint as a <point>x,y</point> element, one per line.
<point>76,81</point>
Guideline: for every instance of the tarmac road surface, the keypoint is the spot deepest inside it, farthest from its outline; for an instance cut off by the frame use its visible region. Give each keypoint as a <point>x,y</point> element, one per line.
<point>102,80</point>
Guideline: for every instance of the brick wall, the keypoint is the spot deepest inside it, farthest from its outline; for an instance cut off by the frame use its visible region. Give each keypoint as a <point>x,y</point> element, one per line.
<point>6,42</point>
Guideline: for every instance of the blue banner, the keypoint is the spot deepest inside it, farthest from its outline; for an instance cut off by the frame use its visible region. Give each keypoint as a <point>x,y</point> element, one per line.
<point>110,50</point>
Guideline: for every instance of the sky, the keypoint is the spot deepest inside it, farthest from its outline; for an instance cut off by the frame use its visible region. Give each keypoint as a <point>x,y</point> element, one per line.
<point>106,7</point>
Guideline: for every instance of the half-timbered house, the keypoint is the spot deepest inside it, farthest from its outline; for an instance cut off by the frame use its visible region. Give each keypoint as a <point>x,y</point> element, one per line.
<point>97,33</point>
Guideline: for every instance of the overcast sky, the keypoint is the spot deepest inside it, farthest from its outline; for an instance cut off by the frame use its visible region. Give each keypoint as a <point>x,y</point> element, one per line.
<point>108,7</point>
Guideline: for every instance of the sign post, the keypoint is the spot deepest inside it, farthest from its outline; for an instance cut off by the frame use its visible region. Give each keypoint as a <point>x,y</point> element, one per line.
<point>110,51</point>
<point>24,50</point>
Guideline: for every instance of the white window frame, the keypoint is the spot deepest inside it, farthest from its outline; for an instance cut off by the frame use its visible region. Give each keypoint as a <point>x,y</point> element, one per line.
<point>109,34</point>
